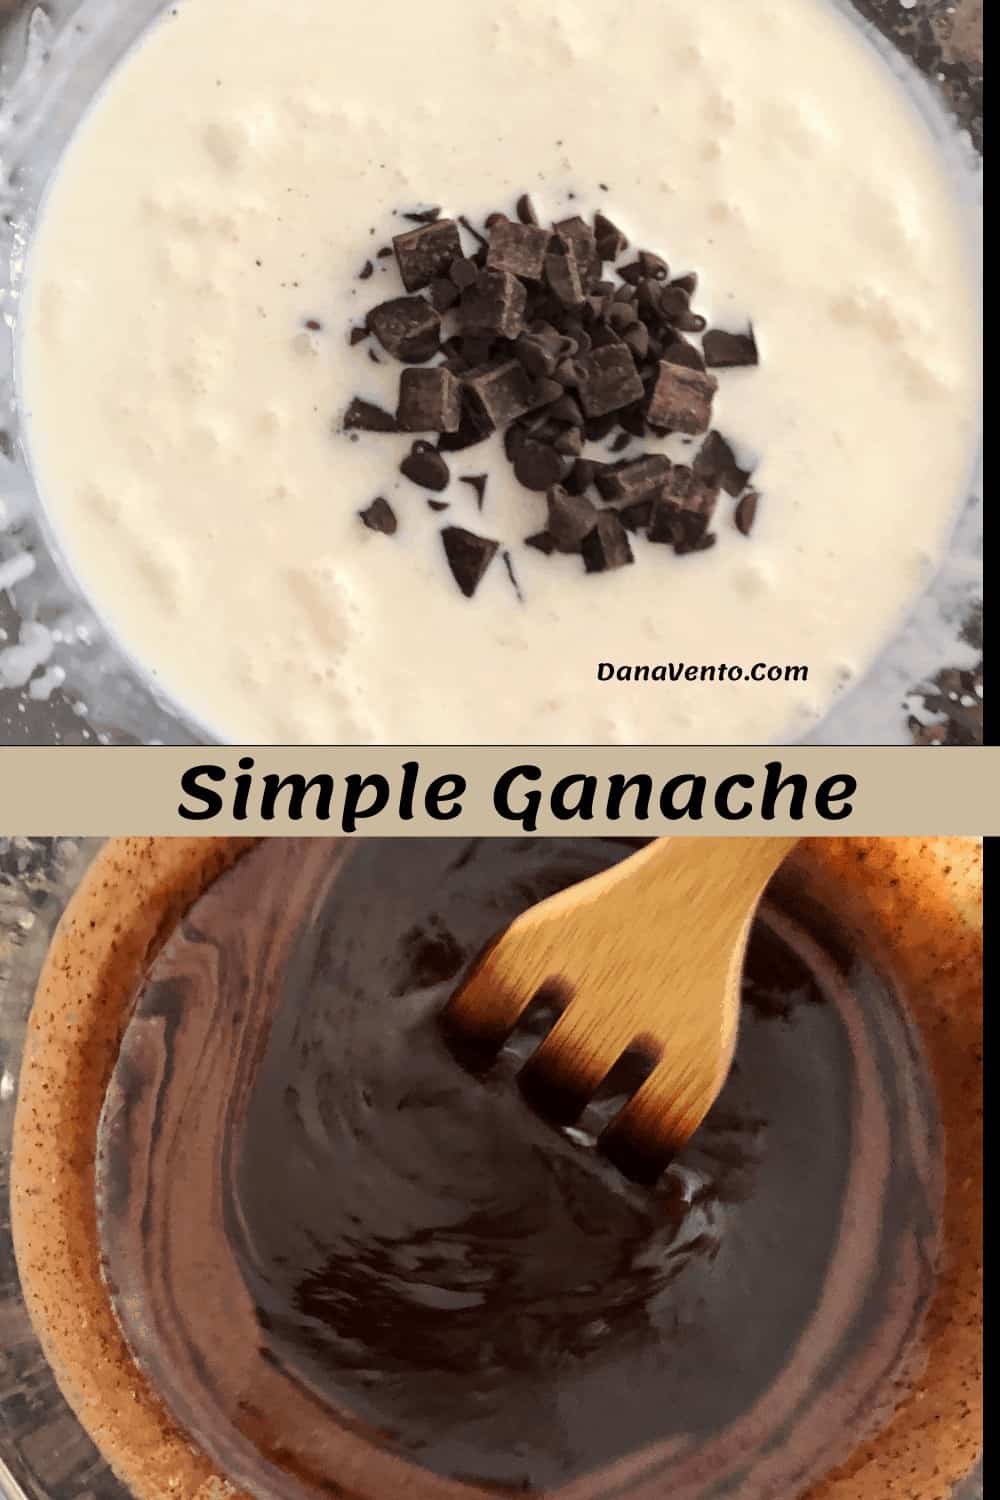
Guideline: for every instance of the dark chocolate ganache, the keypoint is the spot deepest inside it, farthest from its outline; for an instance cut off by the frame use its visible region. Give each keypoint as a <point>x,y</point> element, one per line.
<point>349,1266</point>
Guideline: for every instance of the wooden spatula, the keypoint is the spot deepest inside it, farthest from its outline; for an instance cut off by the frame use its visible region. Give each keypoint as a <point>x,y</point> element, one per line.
<point>644,958</point>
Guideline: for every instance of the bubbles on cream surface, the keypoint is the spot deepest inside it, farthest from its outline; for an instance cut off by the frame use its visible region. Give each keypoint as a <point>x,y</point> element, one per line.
<point>183,420</point>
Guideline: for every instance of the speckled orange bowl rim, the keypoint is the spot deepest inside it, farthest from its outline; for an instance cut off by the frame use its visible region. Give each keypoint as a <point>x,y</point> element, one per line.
<point>915,903</point>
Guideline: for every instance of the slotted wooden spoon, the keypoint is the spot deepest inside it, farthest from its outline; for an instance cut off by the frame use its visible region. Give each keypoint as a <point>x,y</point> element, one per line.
<point>644,958</point>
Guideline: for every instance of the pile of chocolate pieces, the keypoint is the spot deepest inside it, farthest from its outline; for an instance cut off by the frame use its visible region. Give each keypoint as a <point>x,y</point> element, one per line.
<point>529,337</point>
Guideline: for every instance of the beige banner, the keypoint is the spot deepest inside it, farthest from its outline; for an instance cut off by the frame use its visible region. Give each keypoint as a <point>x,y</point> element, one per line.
<point>499,790</point>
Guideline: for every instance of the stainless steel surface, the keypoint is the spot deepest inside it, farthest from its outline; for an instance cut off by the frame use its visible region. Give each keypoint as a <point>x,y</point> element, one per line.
<point>104,696</point>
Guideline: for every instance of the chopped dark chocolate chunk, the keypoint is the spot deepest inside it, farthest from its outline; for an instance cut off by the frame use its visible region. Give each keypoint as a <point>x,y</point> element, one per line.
<point>468,556</point>
<point>470,228</point>
<point>464,273</point>
<point>422,254</point>
<point>577,233</point>
<point>422,215</point>
<point>444,293</point>
<point>726,351</point>
<point>542,542</point>
<point>495,304</point>
<point>478,483</point>
<point>636,517</point>
<point>438,505</point>
<point>425,466</point>
<point>407,328</point>
<point>526,210</point>
<point>539,350</point>
<point>537,465</point>
<point>642,479</point>
<point>571,517</point>
<point>607,546</point>
<point>608,380</point>
<point>563,276</point>
<point>745,513</point>
<point>717,461</point>
<point>367,271</point>
<point>519,249</point>
<point>546,394</point>
<point>681,400</point>
<point>582,475</point>
<point>610,240</point>
<point>597,429</point>
<point>680,352</point>
<point>380,516</point>
<point>429,401</point>
<point>474,427</point>
<point>356,335</point>
<point>503,389</point>
<point>365,416</point>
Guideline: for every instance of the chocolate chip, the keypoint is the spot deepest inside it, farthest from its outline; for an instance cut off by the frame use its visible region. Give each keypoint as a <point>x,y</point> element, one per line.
<point>429,401</point>
<point>654,267</point>
<point>519,249</point>
<point>526,210</point>
<point>539,352</point>
<point>608,380</point>
<point>716,462</point>
<point>609,238</point>
<point>444,293</point>
<point>422,215</point>
<point>681,400</point>
<point>597,429</point>
<point>691,322</point>
<point>503,389</point>
<point>477,349</point>
<point>570,518</point>
<point>315,326</point>
<point>745,513</point>
<point>673,303</point>
<point>680,352</point>
<point>563,276</point>
<point>380,516</point>
<point>367,271</point>
<point>438,505</point>
<point>642,479</point>
<point>365,416</point>
<point>509,565</point>
<point>407,328</point>
<point>425,466</point>
<point>607,546</point>
<point>569,443</point>
<point>357,336</point>
<point>537,465</point>
<point>468,556</point>
<point>725,351</point>
<point>422,254</point>
<point>477,483</point>
<point>566,409</point>
<point>636,338</point>
<point>495,304</point>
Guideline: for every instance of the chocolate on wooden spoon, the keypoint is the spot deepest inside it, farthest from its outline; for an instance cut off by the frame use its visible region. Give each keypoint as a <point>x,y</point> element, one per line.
<point>645,957</point>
